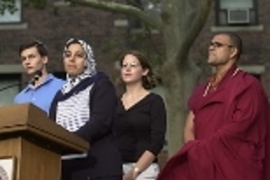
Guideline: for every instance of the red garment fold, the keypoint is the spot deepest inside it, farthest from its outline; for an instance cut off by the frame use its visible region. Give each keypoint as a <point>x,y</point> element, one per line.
<point>231,132</point>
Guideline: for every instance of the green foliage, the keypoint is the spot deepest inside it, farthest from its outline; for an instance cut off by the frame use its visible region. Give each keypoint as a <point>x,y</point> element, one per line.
<point>56,11</point>
<point>7,5</point>
<point>134,3</point>
<point>39,4</point>
<point>142,40</point>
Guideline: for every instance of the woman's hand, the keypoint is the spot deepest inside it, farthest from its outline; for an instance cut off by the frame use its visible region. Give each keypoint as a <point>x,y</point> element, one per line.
<point>129,175</point>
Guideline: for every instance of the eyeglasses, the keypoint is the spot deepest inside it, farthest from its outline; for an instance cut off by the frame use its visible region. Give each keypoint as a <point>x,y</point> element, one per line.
<point>218,45</point>
<point>131,65</point>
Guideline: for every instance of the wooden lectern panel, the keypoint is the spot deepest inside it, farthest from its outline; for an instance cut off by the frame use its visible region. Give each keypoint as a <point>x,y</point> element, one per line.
<point>38,163</point>
<point>31,122</point>
<point>35,142</point>
<point>31,162</point>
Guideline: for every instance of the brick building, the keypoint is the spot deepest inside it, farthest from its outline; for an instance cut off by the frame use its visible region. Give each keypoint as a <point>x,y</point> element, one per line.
<point>54,25</point>
<point>110,33</point>
<point>249,19</point>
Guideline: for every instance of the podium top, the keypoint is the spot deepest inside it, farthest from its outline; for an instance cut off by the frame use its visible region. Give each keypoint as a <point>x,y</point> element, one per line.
<point>32,123</point>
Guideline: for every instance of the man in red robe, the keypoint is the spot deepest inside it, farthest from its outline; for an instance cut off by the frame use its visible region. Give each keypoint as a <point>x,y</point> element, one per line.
<point>226,133</point>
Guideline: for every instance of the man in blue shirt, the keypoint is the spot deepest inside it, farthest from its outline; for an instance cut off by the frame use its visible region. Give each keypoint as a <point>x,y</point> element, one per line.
<point>42,86</point>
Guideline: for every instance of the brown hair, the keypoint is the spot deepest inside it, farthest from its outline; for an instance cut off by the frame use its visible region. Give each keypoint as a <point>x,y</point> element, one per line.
<point>41,48</point>
<point>149,81</point>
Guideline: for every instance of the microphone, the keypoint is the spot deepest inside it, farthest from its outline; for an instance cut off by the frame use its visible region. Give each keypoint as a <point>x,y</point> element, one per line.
<point>36,77</point>
<point>9,86</point>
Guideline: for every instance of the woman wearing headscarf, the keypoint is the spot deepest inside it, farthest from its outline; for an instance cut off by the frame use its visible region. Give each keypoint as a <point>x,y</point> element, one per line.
<point>85,106</point>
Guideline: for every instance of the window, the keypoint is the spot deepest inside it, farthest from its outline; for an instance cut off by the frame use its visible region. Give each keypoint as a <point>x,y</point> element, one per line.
<point>9,87</point>
<point>10,16</point>
<point>236,13</point>
<point>255,70</point>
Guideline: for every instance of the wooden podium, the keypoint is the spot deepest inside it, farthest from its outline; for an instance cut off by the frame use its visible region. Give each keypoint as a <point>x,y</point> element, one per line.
<point>35,142</point>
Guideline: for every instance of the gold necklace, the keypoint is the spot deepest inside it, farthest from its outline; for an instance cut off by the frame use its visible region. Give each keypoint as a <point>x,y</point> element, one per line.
<point>209,84</point>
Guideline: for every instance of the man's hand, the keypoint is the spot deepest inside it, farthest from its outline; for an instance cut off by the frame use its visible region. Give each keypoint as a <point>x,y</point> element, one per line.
<point>189,133</point>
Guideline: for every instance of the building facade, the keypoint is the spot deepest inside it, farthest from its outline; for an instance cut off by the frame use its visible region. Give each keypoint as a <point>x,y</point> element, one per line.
<point>53,25</point>
<point>250,20</point>
<point>109,34</point>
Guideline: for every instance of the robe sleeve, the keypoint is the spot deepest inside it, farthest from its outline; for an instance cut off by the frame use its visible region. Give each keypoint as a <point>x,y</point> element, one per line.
<point>236,150</point>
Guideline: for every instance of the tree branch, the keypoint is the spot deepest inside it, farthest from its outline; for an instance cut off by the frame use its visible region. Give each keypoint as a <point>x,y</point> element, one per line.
<point>121,8</point>
<point>134,3</point>
<point>198,22</point>
<point>200,19</point>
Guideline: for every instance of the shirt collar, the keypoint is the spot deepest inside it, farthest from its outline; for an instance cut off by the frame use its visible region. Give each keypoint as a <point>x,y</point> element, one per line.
<point>47,79</point>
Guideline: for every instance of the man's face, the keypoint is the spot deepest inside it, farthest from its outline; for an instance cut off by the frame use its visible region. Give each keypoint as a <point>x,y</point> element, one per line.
<point>220,51</point>
<point>32,60</point>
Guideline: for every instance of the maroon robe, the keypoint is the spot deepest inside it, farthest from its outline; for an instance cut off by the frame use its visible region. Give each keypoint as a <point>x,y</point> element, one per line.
<point>230,133</point>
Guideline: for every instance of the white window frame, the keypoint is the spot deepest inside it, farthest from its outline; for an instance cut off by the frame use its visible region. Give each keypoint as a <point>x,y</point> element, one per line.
<point>223,8</point>
<point>12,18</point>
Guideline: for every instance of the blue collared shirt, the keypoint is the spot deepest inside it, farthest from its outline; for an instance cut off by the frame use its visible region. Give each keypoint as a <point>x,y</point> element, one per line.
<point>42,95</point>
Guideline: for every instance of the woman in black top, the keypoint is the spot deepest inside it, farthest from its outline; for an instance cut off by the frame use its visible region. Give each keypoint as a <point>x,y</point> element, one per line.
<point>140,120</point>
<point>85,106</point>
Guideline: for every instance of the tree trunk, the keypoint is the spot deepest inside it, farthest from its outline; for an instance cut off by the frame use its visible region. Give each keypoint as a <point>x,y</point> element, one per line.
<point>178,86</point>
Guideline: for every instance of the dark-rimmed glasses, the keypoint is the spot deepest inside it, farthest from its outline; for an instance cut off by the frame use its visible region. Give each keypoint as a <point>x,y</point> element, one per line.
<point>218,45</point>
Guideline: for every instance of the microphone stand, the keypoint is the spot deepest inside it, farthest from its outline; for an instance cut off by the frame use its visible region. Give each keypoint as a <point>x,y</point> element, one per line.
<point>37,75</point>
<point>9,86</point>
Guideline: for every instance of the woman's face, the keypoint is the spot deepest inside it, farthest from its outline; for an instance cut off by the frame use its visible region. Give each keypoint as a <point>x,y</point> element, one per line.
<point>74,59</point>
<point>131,69</point>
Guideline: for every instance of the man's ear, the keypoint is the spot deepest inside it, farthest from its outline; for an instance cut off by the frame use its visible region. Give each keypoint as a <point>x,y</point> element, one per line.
<point>45,59</point>
<point>234,52</point>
